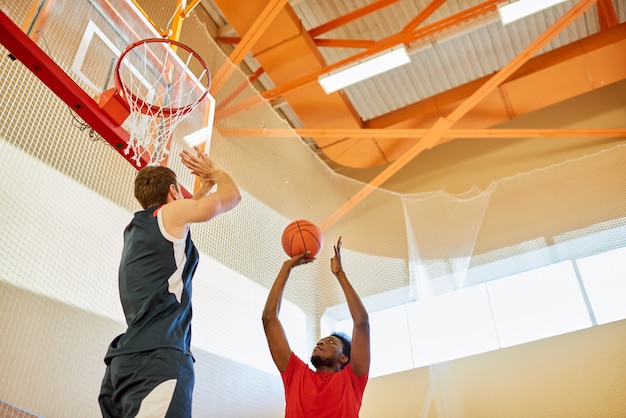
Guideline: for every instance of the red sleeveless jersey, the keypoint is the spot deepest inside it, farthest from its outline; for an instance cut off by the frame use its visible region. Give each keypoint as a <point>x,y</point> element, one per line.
<point>309,394</point>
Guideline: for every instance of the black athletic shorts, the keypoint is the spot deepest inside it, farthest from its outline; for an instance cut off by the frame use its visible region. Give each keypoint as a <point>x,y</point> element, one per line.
<point>155,383</point>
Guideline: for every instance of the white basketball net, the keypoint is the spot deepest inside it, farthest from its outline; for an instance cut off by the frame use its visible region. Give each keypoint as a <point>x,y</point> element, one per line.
<point>161,89</point>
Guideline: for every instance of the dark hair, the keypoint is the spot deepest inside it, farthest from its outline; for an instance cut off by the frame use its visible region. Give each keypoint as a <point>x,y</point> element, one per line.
<point>152,185</point>
<point>345,342</point>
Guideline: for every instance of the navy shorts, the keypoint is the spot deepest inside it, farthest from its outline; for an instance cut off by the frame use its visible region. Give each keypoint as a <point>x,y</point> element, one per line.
<point>156,383</point>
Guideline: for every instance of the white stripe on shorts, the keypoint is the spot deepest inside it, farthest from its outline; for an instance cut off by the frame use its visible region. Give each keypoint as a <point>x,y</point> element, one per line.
<point>156,403</point>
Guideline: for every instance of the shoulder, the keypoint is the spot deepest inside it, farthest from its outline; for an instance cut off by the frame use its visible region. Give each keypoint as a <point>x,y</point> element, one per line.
<point>353,376</point>
<point>173,219</point>
<point>295,367</point>
<point>295,363</point>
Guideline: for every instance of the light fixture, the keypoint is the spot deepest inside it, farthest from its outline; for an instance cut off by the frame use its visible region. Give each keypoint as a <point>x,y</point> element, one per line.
<point>364,69</point>
<point>517,10</point>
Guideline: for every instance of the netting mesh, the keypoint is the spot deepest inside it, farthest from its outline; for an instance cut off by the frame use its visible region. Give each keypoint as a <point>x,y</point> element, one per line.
<point>66,197</point>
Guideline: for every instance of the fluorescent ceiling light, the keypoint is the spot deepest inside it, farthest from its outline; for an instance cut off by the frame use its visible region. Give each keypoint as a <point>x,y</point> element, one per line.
<point>364,69</point>
<point>514,11</point>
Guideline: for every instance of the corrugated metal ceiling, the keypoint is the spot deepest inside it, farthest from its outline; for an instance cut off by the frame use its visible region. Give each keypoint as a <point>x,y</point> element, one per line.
<point>450,56</point>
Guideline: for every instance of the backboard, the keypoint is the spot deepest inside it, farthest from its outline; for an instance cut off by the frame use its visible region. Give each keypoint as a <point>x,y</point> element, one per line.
<point>73,48</point>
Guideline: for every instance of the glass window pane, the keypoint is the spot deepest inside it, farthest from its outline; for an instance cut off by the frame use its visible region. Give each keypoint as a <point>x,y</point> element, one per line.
<point>537,304</point>
<point>450,326</point>
<point>390,343</point>
<point>604,277</point>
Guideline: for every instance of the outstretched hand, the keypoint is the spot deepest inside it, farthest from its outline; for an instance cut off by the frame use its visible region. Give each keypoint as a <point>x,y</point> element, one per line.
<point>335,262</point>
<point>200,164</point>
<point>299,259</point>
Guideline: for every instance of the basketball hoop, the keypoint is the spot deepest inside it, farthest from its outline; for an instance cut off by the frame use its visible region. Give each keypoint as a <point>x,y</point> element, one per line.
<point>158,82</point>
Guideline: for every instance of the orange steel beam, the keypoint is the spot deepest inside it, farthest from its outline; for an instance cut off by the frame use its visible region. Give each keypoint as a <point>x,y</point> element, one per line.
<point>347,18</point>
<point>334,24</point>
<point>418,133</point>
<point>228,110</point>
<point>182,11</point>
<point>253,77</point>
<point>344,43</point>
<point>162,32</point>
<point>506,71</point>
<point>606,14</point>
<point>228,39</point>
<point>443,125</point>
<point>257,29</point>
<point>427,142</point>
<point>363,43</point>
<point>192,5</point>
<point>473,12</point>
<point>354,15</point>
<point>386,43</point>
<point>177,22</point>
<point>423,15</point>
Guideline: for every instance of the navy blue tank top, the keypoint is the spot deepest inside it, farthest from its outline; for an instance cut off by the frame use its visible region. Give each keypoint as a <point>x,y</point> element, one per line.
<point>155,277</point>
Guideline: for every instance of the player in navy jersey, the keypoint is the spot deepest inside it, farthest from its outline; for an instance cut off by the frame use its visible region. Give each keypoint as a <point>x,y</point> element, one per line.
<point>150,367</point>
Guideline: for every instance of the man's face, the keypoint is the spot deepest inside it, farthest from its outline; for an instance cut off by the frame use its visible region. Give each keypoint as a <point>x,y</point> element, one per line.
<point>327,352</point>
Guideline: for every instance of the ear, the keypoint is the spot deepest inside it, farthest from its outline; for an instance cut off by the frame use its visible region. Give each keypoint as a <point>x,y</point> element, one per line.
<point>173,193</point>
<point>343,359</point>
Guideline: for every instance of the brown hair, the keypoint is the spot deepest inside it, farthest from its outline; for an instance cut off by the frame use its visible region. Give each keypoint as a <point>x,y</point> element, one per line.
<point>152,185</point>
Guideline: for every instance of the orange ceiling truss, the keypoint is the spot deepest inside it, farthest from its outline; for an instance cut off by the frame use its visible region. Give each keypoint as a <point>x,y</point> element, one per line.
<point>224,110</point>
<point>441,130</point>
<point>443,125</point>
<point>333,24</point>
<point>379,46</point>
<point>606,15</point>
<point>183,10</point>
<point>420,133</point>
<point>423,15</point>
<point>350,17</point>
<point>243,86</point>
<point>437,105</point>
<point>359,13</point>
<point>259,26</point>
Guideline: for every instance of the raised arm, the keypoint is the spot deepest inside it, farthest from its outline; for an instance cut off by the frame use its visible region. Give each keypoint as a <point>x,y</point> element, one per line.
<point>274,332</point>
<point>204,206</point>
<point>360,354</point>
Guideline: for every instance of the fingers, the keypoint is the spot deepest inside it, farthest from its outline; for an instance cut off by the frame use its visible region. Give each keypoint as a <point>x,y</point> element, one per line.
<point>200,164</point>
<point>301,256</point>
<point>296,260</point>
<point>337,247</point>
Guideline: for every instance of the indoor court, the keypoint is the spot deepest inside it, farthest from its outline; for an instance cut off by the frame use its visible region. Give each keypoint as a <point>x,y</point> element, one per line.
<point>483,212</point>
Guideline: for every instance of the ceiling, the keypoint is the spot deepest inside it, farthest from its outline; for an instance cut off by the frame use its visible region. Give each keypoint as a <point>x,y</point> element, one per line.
<point>468,73</point>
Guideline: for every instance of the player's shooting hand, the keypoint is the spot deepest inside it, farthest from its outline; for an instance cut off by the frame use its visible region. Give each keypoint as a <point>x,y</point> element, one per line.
<point>299,259</point>
<point>200,165</point>
<point>335,262</point>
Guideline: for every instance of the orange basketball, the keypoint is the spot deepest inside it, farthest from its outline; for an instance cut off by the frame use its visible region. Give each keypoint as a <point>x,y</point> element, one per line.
<point>301,236</point>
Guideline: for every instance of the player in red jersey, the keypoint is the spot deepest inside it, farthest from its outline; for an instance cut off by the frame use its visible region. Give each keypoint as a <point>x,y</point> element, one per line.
<point>335,389</point>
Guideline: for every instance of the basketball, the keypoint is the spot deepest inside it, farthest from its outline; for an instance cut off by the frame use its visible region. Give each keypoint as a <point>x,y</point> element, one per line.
<point>301,236</point>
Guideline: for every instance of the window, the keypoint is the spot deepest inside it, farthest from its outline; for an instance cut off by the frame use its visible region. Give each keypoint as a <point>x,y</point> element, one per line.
<point>537,304</point>
<point>450,326</point>
<point>604,277</point>
<point>562,289</point>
